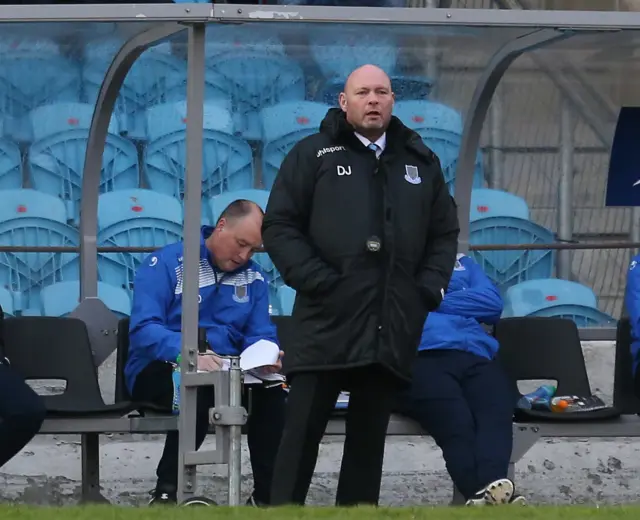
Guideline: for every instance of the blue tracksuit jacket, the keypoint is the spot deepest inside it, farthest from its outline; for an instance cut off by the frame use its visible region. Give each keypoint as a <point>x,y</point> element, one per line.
<point>632,304</point>
<point>471,299</point>
<point>234,308</point>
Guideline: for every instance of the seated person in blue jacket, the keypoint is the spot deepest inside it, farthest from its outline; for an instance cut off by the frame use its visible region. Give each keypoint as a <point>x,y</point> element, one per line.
<point>234,310</point>
<point>632,305</point>
<point>459,394</point>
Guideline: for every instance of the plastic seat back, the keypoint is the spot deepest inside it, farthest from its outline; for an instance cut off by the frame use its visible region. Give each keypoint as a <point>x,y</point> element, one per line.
<point>10,164</point>
<point>338,53</point>
<point>33,73</point>
<point>31,218</point>
<point>223,39</point>
<point>47,348</point>
<point>497,203</point>
<point>56,157</point>
<point>441,129</point>
<point>556,298</point>
<point>286,299</point>
<point>405,88</point>
<point>534,295</point>
<point>60,299</point>
<point>507,268</point>
<point>218,204</point>
<point>134,218</point>
<point>157,76</point>
<point>543,348</point>
<point>283,126</point>
<point>6,302</point>
<point>582,316</point>
<point>254,72</point>
<point>228,160</point>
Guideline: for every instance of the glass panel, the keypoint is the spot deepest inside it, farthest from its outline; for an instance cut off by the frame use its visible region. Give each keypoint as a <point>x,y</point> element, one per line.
<point>141,205</point>
<point>275,82</point>
<point>50,74</point>
<point>547,141</point>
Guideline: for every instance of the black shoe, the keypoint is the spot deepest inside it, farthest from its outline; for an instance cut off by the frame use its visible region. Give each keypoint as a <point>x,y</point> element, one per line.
<point>163,496</point>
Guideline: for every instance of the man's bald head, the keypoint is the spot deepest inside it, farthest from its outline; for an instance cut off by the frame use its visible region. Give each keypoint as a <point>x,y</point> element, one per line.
<point>367,73</point>
<point>367,101</point>
<point>237,234</point>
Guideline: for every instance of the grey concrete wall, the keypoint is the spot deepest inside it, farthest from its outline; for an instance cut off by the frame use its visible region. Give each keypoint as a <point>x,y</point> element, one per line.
<point>557,471</point>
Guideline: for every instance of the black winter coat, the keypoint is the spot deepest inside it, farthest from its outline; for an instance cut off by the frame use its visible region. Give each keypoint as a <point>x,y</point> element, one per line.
<point>368,244</point>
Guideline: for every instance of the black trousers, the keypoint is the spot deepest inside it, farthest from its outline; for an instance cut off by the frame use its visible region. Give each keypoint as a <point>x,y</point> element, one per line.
<point>311,401</point>
<point>21,413</point>
<point>264,425</point>
<point>465,403</point>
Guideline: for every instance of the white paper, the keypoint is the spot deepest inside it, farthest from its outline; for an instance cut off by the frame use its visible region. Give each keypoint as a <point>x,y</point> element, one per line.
<point>262,353</point>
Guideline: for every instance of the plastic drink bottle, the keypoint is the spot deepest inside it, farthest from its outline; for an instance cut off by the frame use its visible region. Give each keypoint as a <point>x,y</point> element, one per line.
<point>175,376</point>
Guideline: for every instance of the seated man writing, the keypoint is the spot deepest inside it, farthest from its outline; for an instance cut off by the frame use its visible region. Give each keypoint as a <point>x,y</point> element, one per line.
<point>234,311</point>
<point>459,393</point>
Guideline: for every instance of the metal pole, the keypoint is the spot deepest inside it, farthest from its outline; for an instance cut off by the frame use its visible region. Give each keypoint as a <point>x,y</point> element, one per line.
<point>235,433</point>
<point>432,68</point>
<point>191,257</point>
<point>565,191</point>
<point>477,112</point>
<point>634,234</point>
<point>107,95</point>
<point>598,113</point>
<point>497,126</point>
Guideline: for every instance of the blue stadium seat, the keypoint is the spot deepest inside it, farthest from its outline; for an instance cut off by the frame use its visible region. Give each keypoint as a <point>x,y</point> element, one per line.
<point>283,125</point>
<point>31,218</point>
<point>10,164</point>
<point>338,53</point>
<point>253,71</point>
<point>217,205</point>
<point>557,298</point>
<point>228,160</point>
<point>156,77</point>
<point>507,268</point>
<point>62,298</point>
<point>33,72</point>
<point>134,218</point>
<point>405,88</point>
<point>6,301</point>
<point>441,128</point>
<point>56,157</point>
<point>487,203</point>
<point>286,299</point>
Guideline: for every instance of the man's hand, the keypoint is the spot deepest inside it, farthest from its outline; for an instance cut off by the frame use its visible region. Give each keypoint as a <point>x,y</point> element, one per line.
<point>273,369</point>
<point>209,362</point>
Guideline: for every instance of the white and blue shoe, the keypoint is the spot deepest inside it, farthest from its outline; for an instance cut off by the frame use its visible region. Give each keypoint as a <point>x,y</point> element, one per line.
<point>498,492</point>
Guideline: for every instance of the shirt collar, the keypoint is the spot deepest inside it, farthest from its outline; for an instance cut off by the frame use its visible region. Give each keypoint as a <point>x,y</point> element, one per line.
<point>381,142</point>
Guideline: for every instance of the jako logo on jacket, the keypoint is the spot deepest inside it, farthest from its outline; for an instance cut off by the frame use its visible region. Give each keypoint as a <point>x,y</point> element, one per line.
<point>234,307</point>
<point>471,299</point>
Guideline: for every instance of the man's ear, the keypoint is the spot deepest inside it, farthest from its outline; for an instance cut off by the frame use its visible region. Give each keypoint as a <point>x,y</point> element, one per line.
<point>342,99</point>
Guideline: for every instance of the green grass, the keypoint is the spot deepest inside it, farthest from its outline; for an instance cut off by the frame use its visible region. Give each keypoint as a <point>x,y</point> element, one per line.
<point>310,513</point>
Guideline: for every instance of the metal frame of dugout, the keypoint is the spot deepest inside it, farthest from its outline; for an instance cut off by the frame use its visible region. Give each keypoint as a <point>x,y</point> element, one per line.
<point>161,21</point>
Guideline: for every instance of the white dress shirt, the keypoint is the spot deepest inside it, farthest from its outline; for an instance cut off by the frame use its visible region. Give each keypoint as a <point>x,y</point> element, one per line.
<point>380,143</point>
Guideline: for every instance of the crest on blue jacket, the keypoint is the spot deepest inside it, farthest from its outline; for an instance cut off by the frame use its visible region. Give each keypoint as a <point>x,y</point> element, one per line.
<point>241,293</point>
